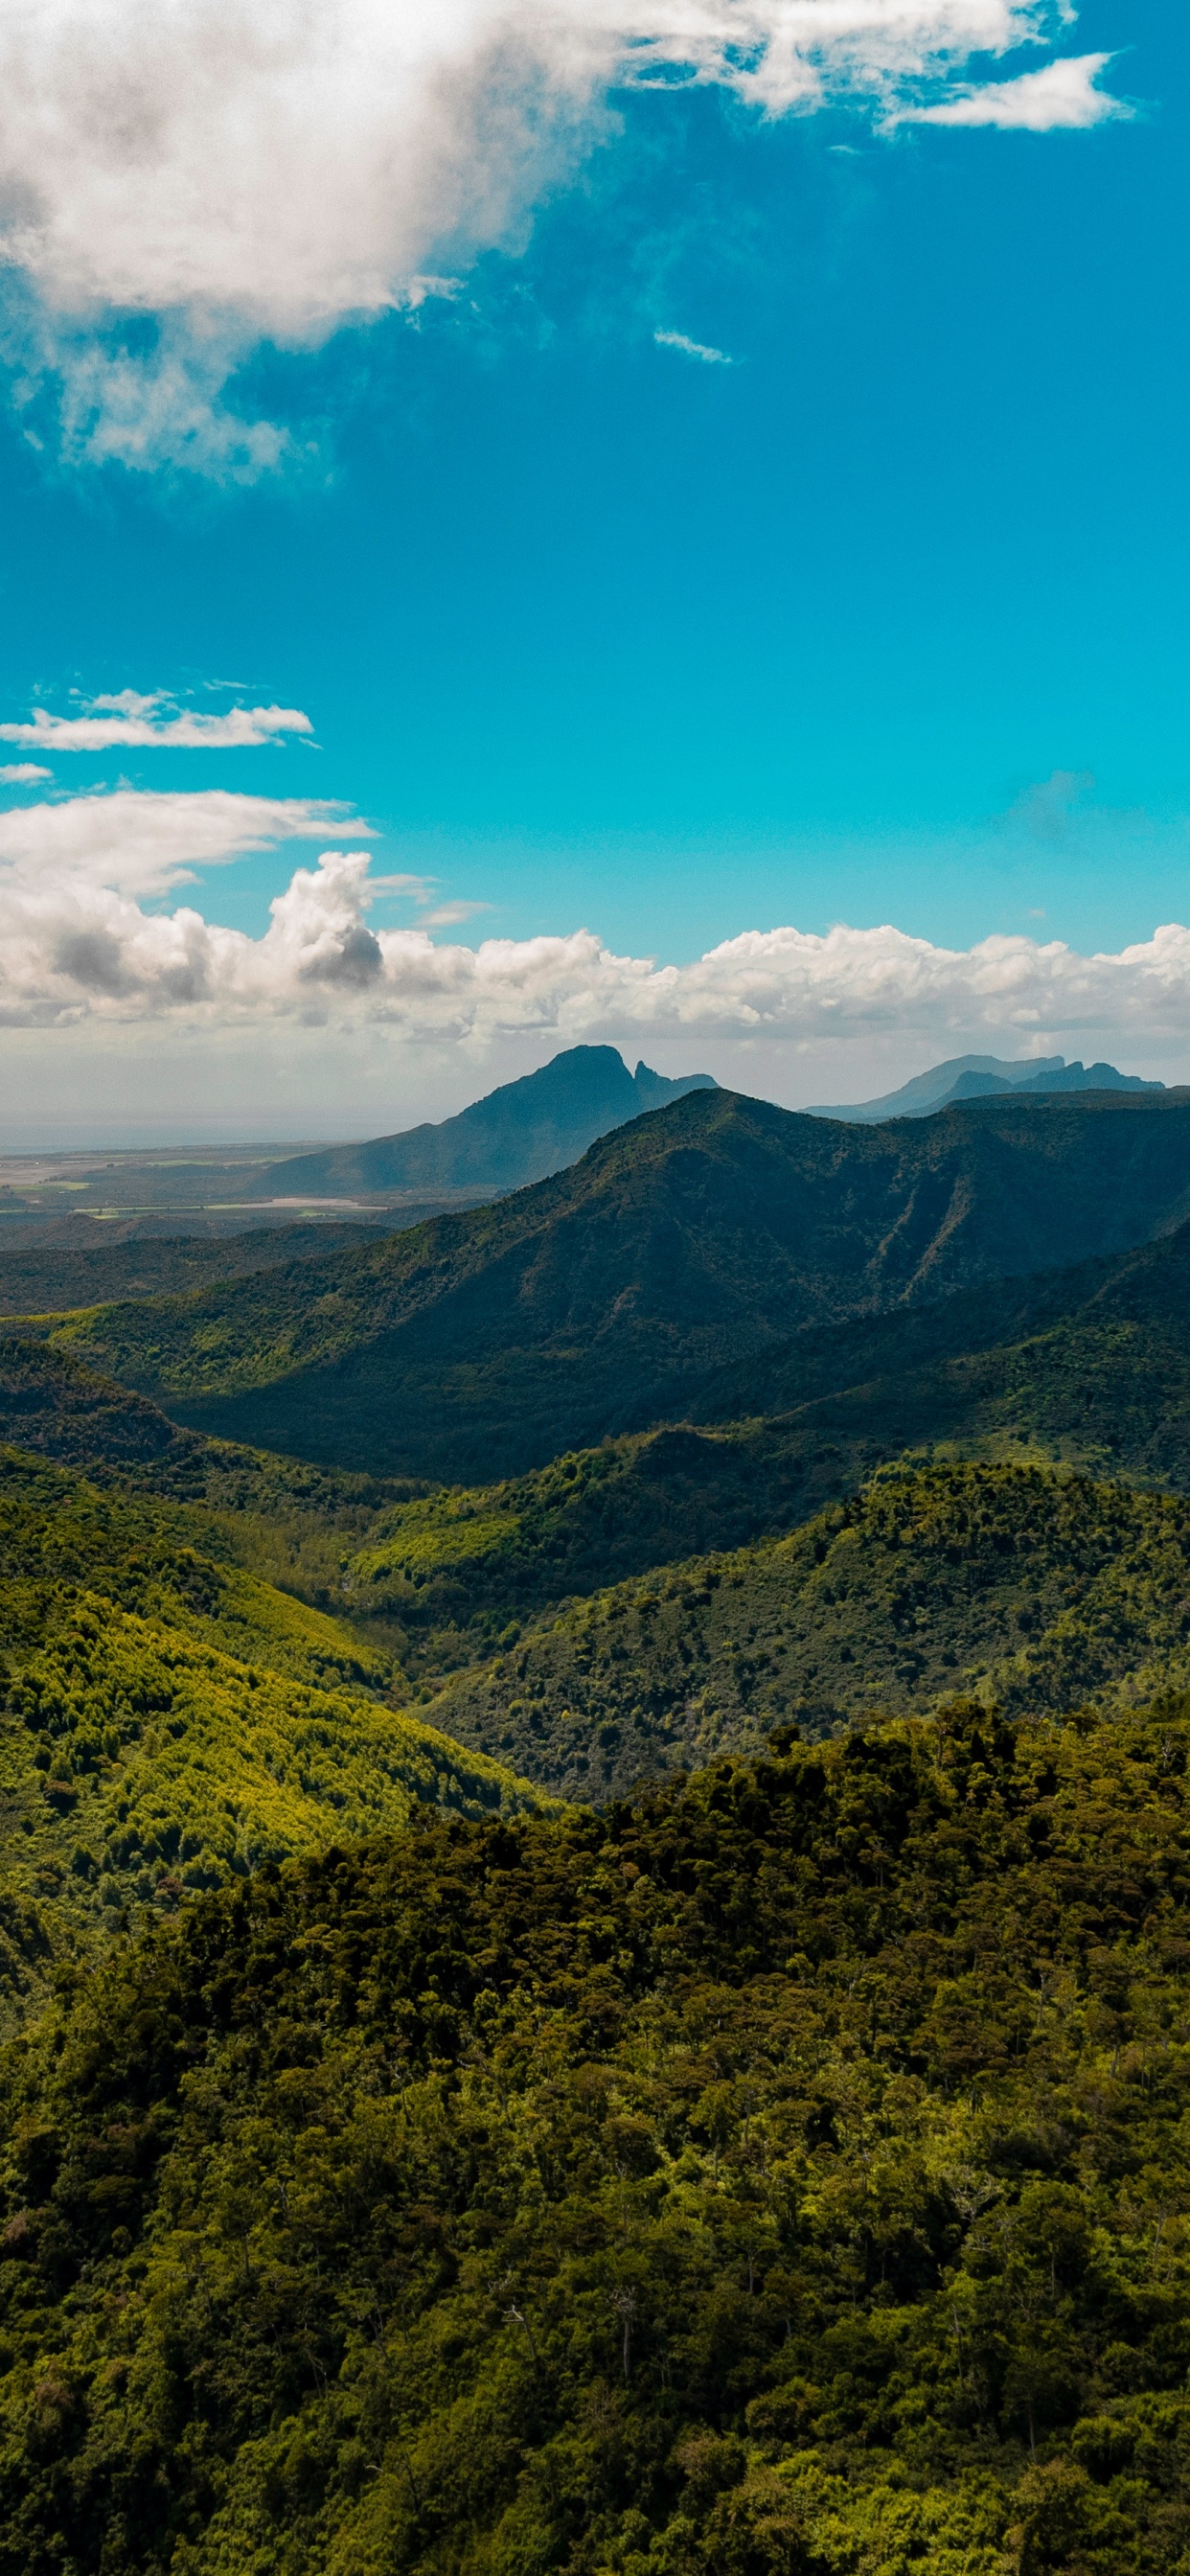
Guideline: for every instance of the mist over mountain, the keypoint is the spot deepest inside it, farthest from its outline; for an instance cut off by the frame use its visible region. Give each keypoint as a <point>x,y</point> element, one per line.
<point>519,1133</point>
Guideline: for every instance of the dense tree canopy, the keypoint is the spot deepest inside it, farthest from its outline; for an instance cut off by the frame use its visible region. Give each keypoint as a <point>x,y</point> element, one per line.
<point>1039,1588</point>
<point>785,2174</point>
<point>778,2167</point>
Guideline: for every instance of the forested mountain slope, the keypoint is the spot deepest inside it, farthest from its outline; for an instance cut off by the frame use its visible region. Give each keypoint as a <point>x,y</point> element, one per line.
<point>1092,1368</point>
<point>53,1406</point>
<point>602,1300</point>
<point>166,1720</point>
<point>1146,1287</point>
<point>1090,1365</point>
<point>785,2177</point>
<point>83,1266</point>
<point>1039,1590</point>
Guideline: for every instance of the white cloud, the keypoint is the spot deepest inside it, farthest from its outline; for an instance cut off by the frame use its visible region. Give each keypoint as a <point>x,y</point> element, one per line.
<point>22,773</point>
<point>132,719</point>
<point>249,168</point>
<point>78,943</point>
<point>137,843</point>
<point>1066,94</point>
<point>693,348</point>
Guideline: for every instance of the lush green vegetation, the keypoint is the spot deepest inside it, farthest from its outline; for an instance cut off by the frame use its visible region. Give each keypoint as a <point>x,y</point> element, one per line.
<point>775,2171</point>
<point>1093,1365</point>
<point>168,1721</point>
<point>1033,1587</point>
<point>140,1554</point>
<point>609,1297</point>
<point>82,1265</point>
<point>432,1582</point>
<point>289,1523</point>
<point>786,2175</point>
<point>447,1575</point>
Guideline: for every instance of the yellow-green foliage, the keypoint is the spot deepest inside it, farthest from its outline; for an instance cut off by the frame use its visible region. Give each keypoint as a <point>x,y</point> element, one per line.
<point>142,1756</point>
<point>179,1765</point>
<point>151,1556</point>
<point>447,1531</point>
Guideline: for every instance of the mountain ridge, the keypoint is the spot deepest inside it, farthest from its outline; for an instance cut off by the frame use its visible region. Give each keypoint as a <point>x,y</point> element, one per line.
<point>1028,1587</point>
<point>981,1077</point>
<point>517,1134</point>
<point>601,1299</point>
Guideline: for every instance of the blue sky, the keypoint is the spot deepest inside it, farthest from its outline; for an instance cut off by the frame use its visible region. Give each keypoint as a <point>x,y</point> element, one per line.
<point>599,631</point>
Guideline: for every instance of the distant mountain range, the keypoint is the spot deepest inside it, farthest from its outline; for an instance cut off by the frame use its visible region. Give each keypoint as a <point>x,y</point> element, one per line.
<point>981,1077</point>
<point>518,1134</point>
<point>609,1296</point>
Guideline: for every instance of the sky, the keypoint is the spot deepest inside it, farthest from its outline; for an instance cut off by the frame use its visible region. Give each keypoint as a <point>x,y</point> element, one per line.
<point>524,525</point>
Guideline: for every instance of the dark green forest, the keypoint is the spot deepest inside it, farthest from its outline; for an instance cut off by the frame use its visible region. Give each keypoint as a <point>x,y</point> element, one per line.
<point>604,1299</point>
<point>595,1875</point>
<point>63,1266</point>
<point>1039,1590</point>
<point>785,2173</point>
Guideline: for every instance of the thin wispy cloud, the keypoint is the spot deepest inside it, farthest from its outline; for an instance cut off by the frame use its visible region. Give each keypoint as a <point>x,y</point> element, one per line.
<point>130,720</point>
<point>241,175</point>
<point>1063,96</point>
<point>22,773</point>
<point>693,348</point>
<point>1048,809</point>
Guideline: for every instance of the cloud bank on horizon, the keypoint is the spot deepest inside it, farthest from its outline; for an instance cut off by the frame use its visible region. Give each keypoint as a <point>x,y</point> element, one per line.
<point>248,170</point>
<point>84,939</point>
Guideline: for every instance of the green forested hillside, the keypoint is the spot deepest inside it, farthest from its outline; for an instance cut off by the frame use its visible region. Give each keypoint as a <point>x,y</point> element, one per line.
<point>604,1299</point>
<point>777,2172</point>
<point>403,1558</point>
<point>1092,1363</point>
<point>1092,1368</point>
<point>431,1582</point>
<point>81,1264</point>
<point>51,1403</point>
<point>786,2177</point>
<point>166,1720</point>
<point>140,1553</point>
<point>1037,1588</point>
<point>281,1518</point>
<point>444,1575</point>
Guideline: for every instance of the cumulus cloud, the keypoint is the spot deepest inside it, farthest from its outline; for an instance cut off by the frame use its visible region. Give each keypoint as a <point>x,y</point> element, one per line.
<point>249,168</point>
<point>1063,94</point>
<point>78,943</point>
<point>22,773</point>
<point>130,718</point>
